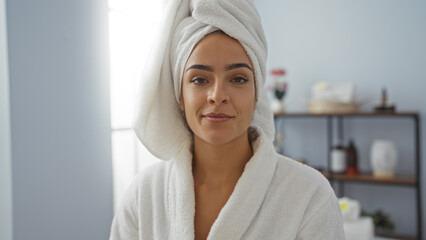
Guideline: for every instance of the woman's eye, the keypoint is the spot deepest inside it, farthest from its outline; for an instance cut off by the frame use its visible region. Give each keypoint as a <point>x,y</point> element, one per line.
<point>198,80</point>
<point>239,80</point>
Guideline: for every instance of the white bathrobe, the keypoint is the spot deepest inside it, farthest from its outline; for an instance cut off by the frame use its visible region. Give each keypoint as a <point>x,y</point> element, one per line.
<point>275,198</point>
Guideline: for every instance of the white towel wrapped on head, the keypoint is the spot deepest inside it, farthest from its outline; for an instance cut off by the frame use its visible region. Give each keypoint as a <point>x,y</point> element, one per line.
<point>159,123</point>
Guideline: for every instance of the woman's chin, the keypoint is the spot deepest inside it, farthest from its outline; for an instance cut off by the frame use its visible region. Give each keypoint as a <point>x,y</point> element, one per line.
<point>219,138</point>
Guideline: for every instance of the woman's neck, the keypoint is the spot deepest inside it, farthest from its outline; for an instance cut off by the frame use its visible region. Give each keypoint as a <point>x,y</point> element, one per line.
<point>219,165</point>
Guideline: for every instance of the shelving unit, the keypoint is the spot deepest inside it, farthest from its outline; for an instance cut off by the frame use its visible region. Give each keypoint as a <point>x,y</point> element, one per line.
<point>368,178</point>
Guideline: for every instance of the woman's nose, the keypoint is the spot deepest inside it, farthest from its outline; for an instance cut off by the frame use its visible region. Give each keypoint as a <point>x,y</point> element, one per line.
<point>218,94</point>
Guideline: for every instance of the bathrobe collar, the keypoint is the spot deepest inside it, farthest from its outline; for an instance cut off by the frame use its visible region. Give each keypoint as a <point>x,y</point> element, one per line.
<point>243,205</point>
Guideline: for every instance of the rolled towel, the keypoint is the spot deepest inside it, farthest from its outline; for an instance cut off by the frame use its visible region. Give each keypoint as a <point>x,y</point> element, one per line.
<point>159,122</point>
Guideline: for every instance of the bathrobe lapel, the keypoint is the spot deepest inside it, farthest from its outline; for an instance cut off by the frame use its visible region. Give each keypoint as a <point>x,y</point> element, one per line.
<point>181,195</point>
<point>243,205</point>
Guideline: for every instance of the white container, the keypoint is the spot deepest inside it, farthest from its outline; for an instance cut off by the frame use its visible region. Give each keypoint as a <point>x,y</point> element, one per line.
<point>351,209</point>
<point>363,228</point>
<point>338,160</point>
<point>384,157</point>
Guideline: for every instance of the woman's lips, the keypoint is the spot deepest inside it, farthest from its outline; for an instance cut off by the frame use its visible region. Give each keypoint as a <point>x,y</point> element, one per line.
<point>217,117</point>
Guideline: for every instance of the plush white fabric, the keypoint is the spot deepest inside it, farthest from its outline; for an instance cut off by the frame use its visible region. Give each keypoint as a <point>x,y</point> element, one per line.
<point>159,123</point>
<point>275,198</point>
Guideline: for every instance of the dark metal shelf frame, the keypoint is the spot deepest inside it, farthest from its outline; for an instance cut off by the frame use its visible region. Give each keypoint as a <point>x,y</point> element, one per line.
<point>340,121</point>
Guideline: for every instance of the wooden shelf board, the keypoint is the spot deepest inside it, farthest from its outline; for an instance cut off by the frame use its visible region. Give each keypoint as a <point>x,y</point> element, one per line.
<point>396,236</point>
<point>369,178</point>
<point>354,114</point>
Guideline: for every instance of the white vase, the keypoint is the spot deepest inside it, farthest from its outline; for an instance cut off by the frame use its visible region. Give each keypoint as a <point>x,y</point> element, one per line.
<point>277,106</point>
<point>384,158</point>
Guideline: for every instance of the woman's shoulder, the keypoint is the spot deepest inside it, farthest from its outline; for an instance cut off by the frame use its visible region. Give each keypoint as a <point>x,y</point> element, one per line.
<point>301,178</point>
<point>147,183</point>
<point>144,196</point>
<point>152,176</point>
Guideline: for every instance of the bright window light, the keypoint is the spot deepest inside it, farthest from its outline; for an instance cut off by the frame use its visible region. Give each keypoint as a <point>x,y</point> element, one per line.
<point>131,29</point>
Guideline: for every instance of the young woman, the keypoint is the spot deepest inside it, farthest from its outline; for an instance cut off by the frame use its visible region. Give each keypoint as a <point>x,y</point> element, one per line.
<point>209,117</point>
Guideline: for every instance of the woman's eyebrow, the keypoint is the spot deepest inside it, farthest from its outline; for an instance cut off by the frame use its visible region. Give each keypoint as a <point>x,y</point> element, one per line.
<point>227,68</point>
<point>201,67</point>
<point>237,65</point>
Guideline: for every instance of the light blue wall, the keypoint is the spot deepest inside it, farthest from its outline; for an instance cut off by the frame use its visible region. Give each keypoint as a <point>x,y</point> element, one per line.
<point>369,43</point>
<point>6,219</point>
<point>60,119</point>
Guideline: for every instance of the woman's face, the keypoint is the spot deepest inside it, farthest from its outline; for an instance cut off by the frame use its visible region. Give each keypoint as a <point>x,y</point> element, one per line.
<point>218,90</point>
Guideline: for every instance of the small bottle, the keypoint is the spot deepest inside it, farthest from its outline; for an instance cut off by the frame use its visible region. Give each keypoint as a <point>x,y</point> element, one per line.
<point>384,97</point>
<point>352,159</point>
<point>338,158</point>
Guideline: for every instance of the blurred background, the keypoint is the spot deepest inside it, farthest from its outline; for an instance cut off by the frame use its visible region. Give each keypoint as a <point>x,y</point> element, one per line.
<point>68,80</point>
